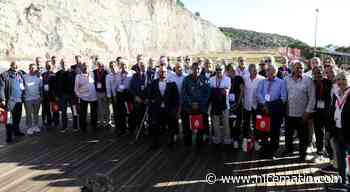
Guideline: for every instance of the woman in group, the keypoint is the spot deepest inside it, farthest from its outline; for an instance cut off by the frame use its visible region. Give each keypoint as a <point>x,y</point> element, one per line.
<point>341,127</point>
<point>85,90</point>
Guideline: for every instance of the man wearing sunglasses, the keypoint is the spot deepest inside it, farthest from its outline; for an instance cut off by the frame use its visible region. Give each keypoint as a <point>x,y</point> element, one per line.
<point>241,69</point>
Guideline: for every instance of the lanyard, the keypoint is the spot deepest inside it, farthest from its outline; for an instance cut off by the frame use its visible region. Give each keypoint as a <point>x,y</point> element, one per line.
<point>269,88</point>
<point>341,100</point>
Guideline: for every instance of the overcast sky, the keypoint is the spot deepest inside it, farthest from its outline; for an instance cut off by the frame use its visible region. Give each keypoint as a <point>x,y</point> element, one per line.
<point>295,18</point>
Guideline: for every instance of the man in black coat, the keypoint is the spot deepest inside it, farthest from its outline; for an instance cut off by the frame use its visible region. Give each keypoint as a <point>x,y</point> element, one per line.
<point>164,103</point>
<point>11,97</point>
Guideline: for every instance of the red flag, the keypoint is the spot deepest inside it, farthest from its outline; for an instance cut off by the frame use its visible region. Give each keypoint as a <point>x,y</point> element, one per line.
<point>263,123</point>
<point>54,107</point>
<point>196,122</point>
<point>3,117</point>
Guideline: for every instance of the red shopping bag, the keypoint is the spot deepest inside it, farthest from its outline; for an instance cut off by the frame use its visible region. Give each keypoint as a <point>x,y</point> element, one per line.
<point>3,117</point>
<point>348,162</point>
<point>263,123</point>
<point>248,144</point>
<point>129,107</point>
<point>55,107</point>
<point>196,122</point>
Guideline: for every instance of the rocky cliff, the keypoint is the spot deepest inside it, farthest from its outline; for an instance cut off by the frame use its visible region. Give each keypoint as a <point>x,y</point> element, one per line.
<point>105,27</point>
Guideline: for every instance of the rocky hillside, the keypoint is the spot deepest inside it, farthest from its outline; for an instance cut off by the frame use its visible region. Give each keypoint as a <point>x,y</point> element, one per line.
<point>106,27</point>
<point>252,39</point>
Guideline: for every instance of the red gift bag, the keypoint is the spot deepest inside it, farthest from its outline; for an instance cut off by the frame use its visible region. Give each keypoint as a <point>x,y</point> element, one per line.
<point>196,122</point>
<point>248,144</point>
<point>55,107</point>
<point>129,107</point>
<point>3,117</point>
<point>348,162</point>
<point>263,123</point>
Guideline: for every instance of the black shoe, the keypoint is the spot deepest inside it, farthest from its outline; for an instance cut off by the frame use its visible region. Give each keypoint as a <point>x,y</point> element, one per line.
<point>286,153</point>
<point>63,130</point>
<point>9,140</point>
<point>121,133</point>
<point>19,134</point>
<point>338,187</point>
<point>75,129</point>
<point>330,169</point>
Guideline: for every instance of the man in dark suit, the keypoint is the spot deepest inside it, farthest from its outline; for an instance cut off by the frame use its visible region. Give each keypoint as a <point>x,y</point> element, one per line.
<point>164,103</point>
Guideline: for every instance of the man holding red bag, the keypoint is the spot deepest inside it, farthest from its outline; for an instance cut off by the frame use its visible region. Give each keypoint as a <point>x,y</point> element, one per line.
<point>195,101</point>
<point>272,96</point>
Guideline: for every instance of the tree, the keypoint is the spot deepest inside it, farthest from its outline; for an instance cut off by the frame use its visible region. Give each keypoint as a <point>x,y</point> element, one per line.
<point>197,14</point>
<point>180,3</point>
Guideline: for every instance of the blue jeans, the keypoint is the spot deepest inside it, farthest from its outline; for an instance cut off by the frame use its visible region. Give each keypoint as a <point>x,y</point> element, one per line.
<point>343,151</point>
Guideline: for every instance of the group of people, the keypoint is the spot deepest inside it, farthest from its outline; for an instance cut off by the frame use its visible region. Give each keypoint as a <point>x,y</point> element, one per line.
<point>161,98</point>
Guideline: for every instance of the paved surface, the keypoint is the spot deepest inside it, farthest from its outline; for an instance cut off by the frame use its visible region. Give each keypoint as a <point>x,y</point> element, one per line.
<point>60,162</point>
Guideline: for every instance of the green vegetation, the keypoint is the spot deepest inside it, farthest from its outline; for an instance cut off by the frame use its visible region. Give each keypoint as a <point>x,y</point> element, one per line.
<point>180,3</point>
<point>252,39</point>
<point>343,49</point>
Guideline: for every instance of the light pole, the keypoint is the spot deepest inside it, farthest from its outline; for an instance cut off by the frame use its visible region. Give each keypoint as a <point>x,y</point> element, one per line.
<point>316,25</point>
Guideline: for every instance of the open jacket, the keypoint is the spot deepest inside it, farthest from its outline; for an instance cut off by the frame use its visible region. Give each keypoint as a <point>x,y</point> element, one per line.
<point>345,120</point>
<point>6,85</point>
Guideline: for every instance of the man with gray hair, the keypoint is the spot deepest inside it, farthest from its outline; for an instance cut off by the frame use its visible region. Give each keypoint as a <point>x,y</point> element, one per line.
<point>301,102</point>
<point>272,95</point>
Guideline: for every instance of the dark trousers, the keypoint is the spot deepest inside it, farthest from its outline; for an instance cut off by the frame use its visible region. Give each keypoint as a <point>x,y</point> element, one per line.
<point>343,150</point>
<point>121,115</point>
<point>297,123</point>
<point>271,146</point>
<point>239,119</point>
<point>83,114</point>
<point>13,127</point>
<point>65,102</point>
<point>319,118</point>
<point>249,118</point>
<point>47,115</point>
<point>187,129</point>
<point>137,116</point>
<point>163,120</point>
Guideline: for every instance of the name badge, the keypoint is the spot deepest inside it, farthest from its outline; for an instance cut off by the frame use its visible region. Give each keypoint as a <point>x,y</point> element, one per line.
<point>121,87</point>
<point>320,105</point>
<point>162,105</point>
<point>267,97</point>
<point>142,87</point>
<point>231,97</point>
<point>46,87</point>
<point>21,86</point>
<point>99,85</point>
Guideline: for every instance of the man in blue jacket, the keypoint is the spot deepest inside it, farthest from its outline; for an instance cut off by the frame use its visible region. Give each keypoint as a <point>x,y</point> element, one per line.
<point>195,100</point>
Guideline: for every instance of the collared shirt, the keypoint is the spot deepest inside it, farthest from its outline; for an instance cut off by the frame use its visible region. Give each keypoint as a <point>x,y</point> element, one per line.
<point>123,81</point>
<point>339,105</point>
<point>250,88</point>
<point>85,87</point>
<point>271,90</point>
<point>32,87</point>
<point>195,90</point>
<point>177,79</point>
<point>301,96</point>
<point>224,83</point>
<point>242,72</point>
<point>111,84</point>
<point>162,87</point>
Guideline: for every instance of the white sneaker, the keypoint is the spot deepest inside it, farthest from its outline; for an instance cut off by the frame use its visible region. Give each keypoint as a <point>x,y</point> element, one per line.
<point>30,131</point>
<point>36,129</point>
<point>235,145</point>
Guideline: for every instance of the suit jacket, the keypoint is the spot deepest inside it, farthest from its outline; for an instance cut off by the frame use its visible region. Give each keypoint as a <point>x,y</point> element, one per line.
<point>170,98</point>
<point>345,120</point>
<point>102,80</point>
<point>6,84</point>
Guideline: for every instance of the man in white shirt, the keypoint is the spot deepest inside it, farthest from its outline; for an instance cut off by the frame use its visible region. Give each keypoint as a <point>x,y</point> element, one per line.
<point>111,85</point>
<point>220,86</point>
<point>250,103</point>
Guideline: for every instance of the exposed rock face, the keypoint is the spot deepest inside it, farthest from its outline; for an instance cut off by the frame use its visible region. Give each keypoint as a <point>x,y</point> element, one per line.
<point>105,27</point>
